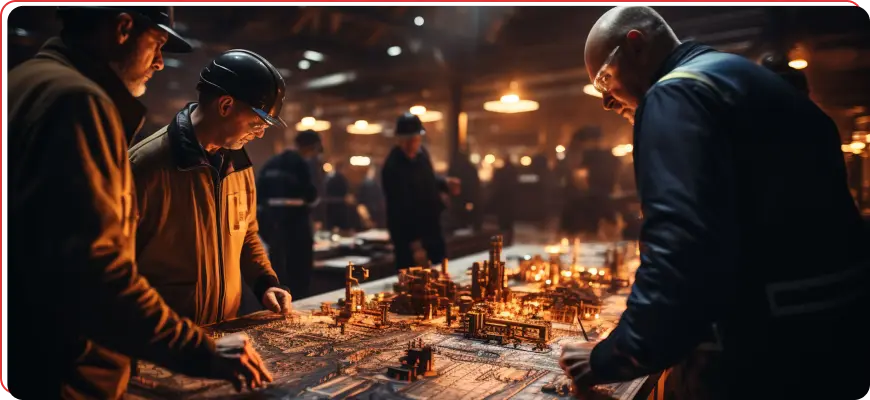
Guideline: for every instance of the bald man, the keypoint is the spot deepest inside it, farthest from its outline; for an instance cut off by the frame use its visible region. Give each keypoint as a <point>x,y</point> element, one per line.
<point>725,242</point>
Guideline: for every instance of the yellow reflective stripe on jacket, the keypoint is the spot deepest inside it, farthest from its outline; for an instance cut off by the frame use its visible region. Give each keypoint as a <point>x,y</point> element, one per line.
<point>675,74</point>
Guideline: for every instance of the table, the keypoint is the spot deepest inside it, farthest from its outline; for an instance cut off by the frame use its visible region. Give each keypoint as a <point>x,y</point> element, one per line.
<point>312,359</point>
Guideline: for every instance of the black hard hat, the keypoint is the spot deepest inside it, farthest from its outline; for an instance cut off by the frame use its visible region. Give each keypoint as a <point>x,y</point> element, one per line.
<point>159,17</point>
<point>248,77</point>
<point>306,138</point>
<point>409,124</point>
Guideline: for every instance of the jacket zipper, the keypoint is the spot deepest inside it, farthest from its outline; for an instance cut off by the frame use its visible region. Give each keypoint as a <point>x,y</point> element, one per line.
<point>217,194</point>
<point>221,278</point>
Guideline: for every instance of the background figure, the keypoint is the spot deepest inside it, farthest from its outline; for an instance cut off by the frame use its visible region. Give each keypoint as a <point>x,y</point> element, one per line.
<point>465,208</point>
<point>588,187</point>
<point>318,177</point>
<point>503,196</point>
<point>371,197</point>
<point>287,195</point>
<point>413,196</point>
<point>337,190</point>
<point>778,63</point>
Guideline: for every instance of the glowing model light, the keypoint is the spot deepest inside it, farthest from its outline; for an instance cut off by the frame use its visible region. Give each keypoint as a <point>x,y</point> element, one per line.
<point>360,161</point>
<point>622,150</point>
<point>526,161</point>
<point>855,147</point>
<point>363,127</point>
<point>313,124</point>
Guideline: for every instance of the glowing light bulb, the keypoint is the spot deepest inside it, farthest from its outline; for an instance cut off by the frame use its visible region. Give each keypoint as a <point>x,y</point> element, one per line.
<point>799,63</point>
<point>361,124</point>
<point>510,98</point>
<point>308,121</point>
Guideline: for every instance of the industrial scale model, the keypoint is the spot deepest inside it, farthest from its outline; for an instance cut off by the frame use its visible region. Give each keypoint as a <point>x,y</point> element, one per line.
<point>428,338</point>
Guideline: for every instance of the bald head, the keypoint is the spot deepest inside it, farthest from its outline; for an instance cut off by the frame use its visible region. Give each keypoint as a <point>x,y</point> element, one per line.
<point>643,39</point>
<point>612,28</point>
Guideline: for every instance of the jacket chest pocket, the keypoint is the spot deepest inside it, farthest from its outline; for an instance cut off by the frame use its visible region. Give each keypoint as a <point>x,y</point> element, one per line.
<point>237,212</point>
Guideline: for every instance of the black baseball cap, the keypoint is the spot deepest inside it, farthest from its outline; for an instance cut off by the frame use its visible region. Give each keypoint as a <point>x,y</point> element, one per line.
<point>158,17</point>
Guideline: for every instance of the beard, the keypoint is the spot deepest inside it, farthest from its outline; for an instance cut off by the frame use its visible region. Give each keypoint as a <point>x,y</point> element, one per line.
<point>129,69</point>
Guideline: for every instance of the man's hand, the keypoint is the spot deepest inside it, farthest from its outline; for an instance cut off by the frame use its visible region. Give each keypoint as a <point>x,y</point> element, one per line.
<point>235,360</point>
<point>454,185</point>
<point>575,362</point>
<point>278,300</point>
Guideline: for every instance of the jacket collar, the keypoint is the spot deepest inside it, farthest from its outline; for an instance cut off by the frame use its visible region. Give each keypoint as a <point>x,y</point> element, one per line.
<point>131,111</point>
<point>187,151</point>
<point>684,53</point>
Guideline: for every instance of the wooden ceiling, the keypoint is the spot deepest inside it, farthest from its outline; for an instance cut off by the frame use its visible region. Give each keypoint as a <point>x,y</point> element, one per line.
<point>482,47</point>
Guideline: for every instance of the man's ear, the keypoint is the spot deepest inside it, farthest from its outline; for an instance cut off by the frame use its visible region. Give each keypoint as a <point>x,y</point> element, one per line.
<point>123,28</point>
<point>636,41</point>
<point>225,105</point>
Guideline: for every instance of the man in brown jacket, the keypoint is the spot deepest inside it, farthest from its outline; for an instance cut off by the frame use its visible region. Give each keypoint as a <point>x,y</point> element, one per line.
<point>77,305</point>
<point>197,233</point>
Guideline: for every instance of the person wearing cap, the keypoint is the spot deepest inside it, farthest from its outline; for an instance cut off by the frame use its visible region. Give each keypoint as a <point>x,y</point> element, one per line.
<point>778,64</point>
<point>287,195</point>
<point>197,230</point>
<point>75,295</point>
<point>413,195</point>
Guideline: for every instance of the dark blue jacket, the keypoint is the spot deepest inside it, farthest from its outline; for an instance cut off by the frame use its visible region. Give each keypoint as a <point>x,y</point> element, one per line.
<point>412,192</point>
<point>748,225</point>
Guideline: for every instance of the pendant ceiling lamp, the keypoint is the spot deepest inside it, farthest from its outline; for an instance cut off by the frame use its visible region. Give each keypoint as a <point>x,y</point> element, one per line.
<point>313,124</point>
<point>363,127</point>
<point>511,103</point>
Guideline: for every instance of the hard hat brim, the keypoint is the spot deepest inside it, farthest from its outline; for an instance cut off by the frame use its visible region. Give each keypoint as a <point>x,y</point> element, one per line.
<point>273,121</point>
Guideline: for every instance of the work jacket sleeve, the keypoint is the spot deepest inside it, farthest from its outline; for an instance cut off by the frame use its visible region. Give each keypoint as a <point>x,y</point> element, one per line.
<point>112,304</point>
<point>256,268</point>
<point>684,164</point>
<point>149,185</point>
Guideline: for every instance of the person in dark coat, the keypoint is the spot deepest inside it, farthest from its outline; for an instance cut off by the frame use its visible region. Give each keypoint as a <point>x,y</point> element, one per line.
<point>286,196</point>
<point>336,196</point>
<point>503,196</point>
<point>465,207</point>
<point>413,195</point>
<point>731,260</point>
<point>371,196</point>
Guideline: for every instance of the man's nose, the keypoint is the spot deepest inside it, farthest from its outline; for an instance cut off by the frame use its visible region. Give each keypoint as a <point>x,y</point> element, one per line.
<point>158,60</point>
<point>607,102</point>
<point>259,133</point>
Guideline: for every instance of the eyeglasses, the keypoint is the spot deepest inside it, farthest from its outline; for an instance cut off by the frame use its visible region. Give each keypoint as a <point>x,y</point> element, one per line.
<point>603,78</point>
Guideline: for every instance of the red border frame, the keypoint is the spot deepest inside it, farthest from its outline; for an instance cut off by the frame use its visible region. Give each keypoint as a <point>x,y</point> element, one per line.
<point>9,3</point>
